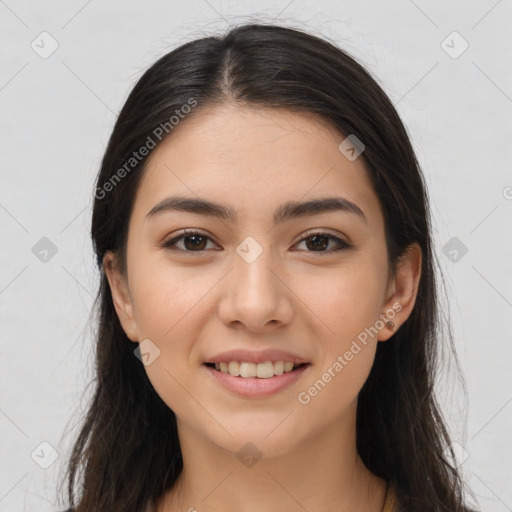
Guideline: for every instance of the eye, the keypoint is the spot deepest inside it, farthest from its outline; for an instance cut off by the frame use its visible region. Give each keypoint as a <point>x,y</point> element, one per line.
<point>195,241</point>
<point>320,240</point>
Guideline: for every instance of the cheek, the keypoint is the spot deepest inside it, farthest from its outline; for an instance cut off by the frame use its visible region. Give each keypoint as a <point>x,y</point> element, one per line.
<point>168,309</point>
<point>346,300</point>
<point>346,303</point>
<point>165,298</point>
<point>331,392</point>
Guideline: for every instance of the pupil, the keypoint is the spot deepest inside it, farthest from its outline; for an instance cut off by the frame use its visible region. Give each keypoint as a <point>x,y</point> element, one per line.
<point>195,245</point>
<point>316,238</point>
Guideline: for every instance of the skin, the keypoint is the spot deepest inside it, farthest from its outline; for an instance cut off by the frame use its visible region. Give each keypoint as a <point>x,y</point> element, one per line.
<point>293,296</point>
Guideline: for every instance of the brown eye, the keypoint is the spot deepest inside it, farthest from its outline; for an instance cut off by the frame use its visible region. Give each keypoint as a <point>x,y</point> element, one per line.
<point>316,242</point>
<point>193,241</point>
<point>319,241</point>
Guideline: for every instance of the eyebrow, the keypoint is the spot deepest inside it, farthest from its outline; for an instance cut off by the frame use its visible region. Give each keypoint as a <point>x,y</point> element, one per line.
<point>287,211</point>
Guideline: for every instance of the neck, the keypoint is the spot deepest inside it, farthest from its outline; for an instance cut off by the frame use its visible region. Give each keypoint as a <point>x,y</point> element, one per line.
<point>321,473</point>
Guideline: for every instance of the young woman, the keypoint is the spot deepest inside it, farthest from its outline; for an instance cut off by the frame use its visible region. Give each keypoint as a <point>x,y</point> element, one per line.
<point>268,317</point>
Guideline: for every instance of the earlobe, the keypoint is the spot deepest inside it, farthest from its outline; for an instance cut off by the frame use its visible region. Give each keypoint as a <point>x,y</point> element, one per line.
<point>120,296</point>
<point>400,303</point>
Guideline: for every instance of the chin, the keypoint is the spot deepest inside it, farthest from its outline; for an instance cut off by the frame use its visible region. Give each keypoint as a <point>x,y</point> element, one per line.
<point>261,442</point>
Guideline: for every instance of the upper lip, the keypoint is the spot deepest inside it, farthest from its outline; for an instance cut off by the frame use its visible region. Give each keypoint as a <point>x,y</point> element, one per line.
<point>260,356</point>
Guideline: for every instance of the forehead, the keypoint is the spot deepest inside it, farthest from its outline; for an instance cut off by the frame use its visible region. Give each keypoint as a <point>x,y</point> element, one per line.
<point>255,159</point>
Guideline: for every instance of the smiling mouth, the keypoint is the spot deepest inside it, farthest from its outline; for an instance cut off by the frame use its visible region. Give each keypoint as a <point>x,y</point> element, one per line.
<point>264,370</point>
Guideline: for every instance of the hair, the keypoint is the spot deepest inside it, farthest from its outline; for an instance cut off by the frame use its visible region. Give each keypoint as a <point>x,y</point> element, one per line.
<point>127,452</point>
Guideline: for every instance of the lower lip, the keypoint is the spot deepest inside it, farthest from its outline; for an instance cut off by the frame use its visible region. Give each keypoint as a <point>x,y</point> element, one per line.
<point>254,387</point>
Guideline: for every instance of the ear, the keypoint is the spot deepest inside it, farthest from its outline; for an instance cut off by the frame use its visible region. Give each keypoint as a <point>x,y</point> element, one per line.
<point>403,290</point>
<point>120,296</point>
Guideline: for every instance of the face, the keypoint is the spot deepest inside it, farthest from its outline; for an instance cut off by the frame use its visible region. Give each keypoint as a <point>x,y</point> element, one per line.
<point>273,281</point>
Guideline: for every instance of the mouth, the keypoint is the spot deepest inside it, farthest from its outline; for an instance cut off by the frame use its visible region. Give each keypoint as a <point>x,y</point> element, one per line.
<point>247,370</point>
<point>255,380</point>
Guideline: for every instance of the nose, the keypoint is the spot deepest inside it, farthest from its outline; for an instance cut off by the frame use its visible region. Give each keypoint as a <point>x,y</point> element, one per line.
<point>256,295</point>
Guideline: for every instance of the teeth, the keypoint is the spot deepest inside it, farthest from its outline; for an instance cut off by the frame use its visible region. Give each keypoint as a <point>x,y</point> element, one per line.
<point>278,367</point>
<point>234,368</point>
<point>248,369</point>
<point>265,370</point>
<point>261,370</point>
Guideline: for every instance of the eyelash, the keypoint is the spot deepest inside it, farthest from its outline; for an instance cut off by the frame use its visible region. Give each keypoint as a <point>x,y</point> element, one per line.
<point>342,245</point>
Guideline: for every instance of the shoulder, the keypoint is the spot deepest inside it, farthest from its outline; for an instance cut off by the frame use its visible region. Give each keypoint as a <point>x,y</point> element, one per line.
<point>390,501</point>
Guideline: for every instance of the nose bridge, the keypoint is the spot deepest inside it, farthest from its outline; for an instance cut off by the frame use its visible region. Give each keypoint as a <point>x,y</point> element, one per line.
<point>251,266</point>
<point>254,295</point>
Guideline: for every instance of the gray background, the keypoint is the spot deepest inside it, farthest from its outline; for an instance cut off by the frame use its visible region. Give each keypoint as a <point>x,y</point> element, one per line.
<point>57,114</point>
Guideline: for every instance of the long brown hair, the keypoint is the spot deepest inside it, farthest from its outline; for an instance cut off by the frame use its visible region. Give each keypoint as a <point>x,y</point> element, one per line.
<point>127,452</point>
